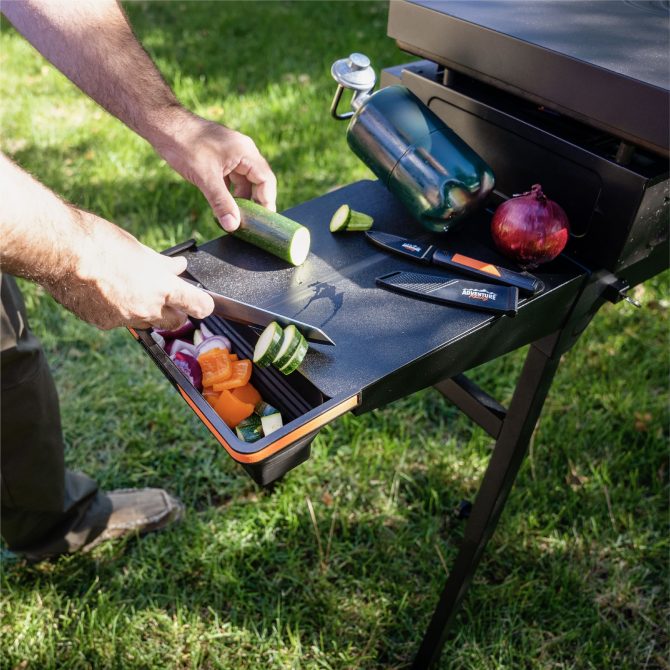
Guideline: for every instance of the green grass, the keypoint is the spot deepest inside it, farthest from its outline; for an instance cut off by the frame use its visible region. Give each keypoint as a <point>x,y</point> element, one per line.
<point>576,574</point>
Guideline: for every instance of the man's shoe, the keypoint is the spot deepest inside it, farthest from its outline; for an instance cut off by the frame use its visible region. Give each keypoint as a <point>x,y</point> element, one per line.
<point>114,515</point>
<point>131,511</point>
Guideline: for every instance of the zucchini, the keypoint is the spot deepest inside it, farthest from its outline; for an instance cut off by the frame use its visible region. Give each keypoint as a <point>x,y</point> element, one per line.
<point>297,357</point>
<point>250,429</point>
<point>263,409</point>
<point>272,232</point>
<point>271,422</point>
<point>347,219</point>
<point>290,342</point>
<point>268,345</point>
<point>340,219</point>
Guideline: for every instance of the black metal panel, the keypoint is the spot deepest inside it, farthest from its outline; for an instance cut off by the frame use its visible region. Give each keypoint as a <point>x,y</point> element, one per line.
<point>604,62</point>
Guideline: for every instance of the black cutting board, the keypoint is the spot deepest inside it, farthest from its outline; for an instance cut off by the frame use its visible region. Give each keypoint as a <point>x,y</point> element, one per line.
<point>376,331</point>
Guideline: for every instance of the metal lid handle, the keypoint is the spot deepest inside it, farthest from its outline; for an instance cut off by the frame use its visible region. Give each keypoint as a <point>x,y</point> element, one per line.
<point>354,73</point>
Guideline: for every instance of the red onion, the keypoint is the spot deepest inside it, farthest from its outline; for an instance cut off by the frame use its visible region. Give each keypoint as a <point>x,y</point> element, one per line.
<point>175,346</point>
<point>185,329</point>
<point>530,228</point>
<point>190,367</point>
<point>214,342</point>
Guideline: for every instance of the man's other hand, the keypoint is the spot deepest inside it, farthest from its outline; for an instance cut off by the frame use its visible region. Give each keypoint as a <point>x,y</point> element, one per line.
<point>121,282</point>
<point>213,158</point>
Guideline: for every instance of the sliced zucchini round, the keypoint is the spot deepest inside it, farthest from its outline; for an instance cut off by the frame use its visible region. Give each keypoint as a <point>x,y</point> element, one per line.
<point>268,345</point>
<point>289,343</point>
<point>297,357</point>
<point>263,409</point>
<point>340,219</point>
<point>271,422</point>
<point>250,429</point>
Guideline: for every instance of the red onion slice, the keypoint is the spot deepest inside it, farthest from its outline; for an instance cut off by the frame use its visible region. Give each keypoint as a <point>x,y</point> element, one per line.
<point>190,367</point>
<point>174,347</point>
<point>185,329</point>
<point>213,342</point>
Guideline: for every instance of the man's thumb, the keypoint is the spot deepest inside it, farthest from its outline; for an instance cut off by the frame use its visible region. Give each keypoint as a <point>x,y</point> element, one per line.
<point>223,205</point>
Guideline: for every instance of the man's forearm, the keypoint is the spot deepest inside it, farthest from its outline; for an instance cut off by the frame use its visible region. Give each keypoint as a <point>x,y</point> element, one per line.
<point>91,42</point>
<point>42,236</point>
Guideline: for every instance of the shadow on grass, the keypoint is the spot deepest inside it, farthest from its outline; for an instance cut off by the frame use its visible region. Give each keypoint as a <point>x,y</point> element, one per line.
<point>371,598</point>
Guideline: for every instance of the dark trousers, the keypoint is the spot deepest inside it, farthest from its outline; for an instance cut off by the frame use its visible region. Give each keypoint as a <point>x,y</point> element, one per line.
<point>43,504</point>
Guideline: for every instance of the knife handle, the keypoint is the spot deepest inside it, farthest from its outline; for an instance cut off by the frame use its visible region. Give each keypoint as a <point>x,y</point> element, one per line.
<point>482,270</point>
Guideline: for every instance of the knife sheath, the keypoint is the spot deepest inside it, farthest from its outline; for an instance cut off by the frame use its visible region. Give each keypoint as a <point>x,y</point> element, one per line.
<point>449,291</point>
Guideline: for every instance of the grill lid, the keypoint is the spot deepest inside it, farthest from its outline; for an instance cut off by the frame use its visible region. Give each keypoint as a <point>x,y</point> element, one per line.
<point>603,62</point>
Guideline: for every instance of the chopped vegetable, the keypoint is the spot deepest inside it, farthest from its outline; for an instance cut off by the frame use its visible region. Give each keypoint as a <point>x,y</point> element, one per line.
<point>233,357</point>
<point>272,232</point>
<point>231,409</point>
<point>240,376</point>
<point>158,339</point>
<point>216,366</point>
<point>190,367</point>
<point>268,345</point>
<point>197,337</point>
<point>206,332</point>
<point>185,329</point>
<point>262,408</point>
<point>297,357</point>
<point>247,393</point>
<point>289,343</point>
<point>271,422</point>
<point>250,429</point>
<point>210,395</point>
<point>347,219</point>
<point>213,342</point>
<point>175,346</point>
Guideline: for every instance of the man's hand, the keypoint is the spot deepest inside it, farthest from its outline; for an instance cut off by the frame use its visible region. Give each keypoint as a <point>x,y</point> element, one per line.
<point>91,42</point>
<point>94,268</point>
<point>118,281</point>
<point>213,158</point>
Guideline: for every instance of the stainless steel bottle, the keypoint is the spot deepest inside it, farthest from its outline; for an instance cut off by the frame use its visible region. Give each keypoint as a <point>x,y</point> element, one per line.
<point>434,173</point>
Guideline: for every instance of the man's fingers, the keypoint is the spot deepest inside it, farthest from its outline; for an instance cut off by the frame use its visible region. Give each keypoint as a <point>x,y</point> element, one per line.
<point>189,299</point>
<point>258,172</point>
<point>222,202</point>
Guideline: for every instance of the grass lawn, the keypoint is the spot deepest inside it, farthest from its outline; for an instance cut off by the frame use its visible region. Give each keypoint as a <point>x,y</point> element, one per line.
<point>576,575</point>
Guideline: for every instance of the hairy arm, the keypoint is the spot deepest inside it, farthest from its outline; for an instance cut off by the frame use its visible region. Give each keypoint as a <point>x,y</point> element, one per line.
<point>83,260</point>
<point>92,43</point>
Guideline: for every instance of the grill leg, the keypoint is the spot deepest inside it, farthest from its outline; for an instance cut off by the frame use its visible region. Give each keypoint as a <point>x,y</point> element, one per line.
<point>510,448</point>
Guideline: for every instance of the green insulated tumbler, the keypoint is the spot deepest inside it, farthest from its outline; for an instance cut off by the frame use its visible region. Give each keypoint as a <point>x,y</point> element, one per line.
<point>433,172</point>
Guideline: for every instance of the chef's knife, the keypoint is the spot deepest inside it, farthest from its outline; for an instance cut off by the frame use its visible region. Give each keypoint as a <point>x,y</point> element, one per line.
<point>243,312</point>
<point>429,253</point>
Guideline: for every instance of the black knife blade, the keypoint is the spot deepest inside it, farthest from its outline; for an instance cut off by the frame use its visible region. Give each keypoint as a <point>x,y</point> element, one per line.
<point>429,253</point>
<point>242,312</point>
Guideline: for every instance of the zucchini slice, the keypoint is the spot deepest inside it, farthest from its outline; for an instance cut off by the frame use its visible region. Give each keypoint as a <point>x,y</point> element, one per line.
<point>263,409</point>
<point>297,357</point>
<point>272,232</point>
<point>289,343</point>
<point>268,345</point>
<point>359,221</point>
<point>346,219</point>
<point>250,429</point>
<point>340,219</point>
<point>271,422</point>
